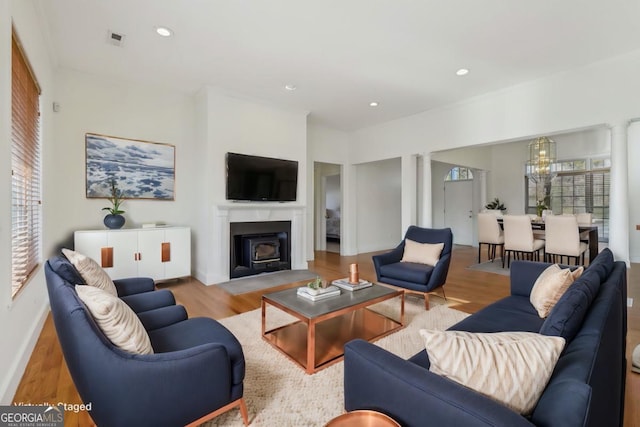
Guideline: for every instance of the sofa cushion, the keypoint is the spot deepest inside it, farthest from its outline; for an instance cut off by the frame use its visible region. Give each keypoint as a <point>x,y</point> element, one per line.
<point>513,313</point>
<point>407,271</point>
<point>63,268</point>
<point>116,320</point>
<point>550,286</point>
<point>422,253</point>
<point>565,318</point>
<point>602,264</point>
<point>91,272</point>
<point>512,368</point>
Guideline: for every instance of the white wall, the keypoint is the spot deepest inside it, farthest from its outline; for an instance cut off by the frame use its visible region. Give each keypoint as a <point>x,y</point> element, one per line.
<point>95,104</point>
<point>21,318</point>
<point>596,94</point>
<point>378,197</point>
<point>333,192</point>
<point>234,124</point>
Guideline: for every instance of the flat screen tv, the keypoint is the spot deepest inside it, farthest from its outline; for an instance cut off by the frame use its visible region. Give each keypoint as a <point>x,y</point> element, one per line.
<point>265,179</point>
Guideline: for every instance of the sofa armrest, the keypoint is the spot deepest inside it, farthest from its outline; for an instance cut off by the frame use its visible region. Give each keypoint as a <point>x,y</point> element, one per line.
<point>524,275</point>
<point>149,300</point>
<point>134,285</point>
<point>163,316</point>
<point>378,380</point>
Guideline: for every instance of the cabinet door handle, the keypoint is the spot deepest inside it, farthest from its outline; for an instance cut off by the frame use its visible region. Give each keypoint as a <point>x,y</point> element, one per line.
<point>106,257</point>
<point>166,252</point>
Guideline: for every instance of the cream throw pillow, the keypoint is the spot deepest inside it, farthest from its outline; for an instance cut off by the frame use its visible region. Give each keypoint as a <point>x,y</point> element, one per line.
<point>422,253</point>
<point>118,322</point>
<point>512,368</point>
<point>91,271</point>
<point>550,286</point>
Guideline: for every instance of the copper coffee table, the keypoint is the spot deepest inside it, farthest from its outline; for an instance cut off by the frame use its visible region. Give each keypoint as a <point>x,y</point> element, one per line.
<point>316,340</point>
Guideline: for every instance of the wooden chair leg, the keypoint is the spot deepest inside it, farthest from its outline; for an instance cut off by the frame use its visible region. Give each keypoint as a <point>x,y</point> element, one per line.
<point>479,252</point>
<point>426,301</point>
<point>243,412</point>
<point>240,403</point>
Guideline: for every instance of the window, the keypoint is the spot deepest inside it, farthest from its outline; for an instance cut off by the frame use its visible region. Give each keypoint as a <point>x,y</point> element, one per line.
<point>25,170</point>
<point>579,186</point>
<point>459,173</point>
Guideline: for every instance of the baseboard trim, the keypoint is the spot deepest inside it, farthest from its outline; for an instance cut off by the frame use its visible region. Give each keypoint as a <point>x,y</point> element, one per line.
<point>11,383</point>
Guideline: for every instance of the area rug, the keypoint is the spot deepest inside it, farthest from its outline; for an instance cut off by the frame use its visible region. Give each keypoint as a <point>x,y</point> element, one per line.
<point>279,393</point>
<point>244,285</point>
<point>491,267</point>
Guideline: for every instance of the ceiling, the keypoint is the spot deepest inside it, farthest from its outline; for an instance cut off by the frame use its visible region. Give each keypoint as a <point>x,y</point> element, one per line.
<point>340,54</point>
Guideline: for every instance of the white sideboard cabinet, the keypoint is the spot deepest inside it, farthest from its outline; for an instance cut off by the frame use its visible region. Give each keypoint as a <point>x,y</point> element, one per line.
<point>160,253</point>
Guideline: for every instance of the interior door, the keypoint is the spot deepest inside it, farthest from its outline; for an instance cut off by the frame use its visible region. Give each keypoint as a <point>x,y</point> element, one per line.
<point>458,210</point>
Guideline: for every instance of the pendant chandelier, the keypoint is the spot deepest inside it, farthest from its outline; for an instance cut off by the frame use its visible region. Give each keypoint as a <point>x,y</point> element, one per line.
<point>542,159</point>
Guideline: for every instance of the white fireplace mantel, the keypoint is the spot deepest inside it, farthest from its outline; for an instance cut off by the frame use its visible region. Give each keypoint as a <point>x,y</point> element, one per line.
<point>225,214</point>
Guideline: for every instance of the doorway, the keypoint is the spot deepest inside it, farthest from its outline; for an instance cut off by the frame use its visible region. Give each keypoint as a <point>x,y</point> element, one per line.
<point>458,205</point>
<point>328,207</point>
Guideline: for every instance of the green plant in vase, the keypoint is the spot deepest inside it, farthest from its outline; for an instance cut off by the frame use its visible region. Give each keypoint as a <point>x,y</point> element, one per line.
<point>114,219</point>
<point>540,206</point>
<point>316,284</point>
<point>496,204</point>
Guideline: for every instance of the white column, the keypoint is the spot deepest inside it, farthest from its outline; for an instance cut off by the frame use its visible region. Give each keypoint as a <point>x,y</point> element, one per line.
<point>349,238</point>
<point>482,176</point>
<point>427,208</point>
<point>409,182</point>
<point>619,194</point>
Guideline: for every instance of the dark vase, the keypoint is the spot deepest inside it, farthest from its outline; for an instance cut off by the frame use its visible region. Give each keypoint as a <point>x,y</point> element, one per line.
<point>114,221</point>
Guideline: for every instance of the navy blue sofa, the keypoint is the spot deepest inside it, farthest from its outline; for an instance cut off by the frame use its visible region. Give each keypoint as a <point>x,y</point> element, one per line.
<point>139,293</point>
<point>585,389</point>
<point>196,371</point>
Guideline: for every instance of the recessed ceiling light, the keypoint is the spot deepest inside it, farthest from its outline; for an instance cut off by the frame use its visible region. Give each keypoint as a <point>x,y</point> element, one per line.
<point>290,87</point>
<point>164,31</point>
<point>462,72</point>
<point>373,104</point>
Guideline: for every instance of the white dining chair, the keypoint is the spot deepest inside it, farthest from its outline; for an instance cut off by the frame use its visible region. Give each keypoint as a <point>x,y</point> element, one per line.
<point>519,240</point>
<point>563,239</point>
<point>490,234</point>
<point>584,218</point>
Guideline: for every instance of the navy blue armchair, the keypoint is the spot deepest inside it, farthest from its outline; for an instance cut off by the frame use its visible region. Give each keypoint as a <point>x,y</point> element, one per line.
<point>416,277</point>
<point>195,373</point>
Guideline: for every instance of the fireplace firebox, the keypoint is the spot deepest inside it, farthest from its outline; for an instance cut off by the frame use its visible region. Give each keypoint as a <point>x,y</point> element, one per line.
<point>258,247</point>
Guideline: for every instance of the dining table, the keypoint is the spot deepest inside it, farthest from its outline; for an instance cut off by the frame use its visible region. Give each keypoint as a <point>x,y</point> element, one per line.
<point>592,230</point>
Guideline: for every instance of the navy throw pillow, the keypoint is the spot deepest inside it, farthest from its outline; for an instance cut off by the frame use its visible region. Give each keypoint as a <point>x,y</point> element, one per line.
<point>63,268</point>
<point>567,315</point>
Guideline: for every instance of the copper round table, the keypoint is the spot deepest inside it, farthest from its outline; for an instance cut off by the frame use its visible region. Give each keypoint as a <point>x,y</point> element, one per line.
<point>363,418</point>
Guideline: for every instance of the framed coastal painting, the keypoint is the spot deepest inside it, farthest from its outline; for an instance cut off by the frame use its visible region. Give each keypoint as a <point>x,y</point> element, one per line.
<point>140,169</point>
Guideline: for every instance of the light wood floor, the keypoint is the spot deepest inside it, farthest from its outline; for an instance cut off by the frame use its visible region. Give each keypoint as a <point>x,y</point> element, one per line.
<point>47,379</point>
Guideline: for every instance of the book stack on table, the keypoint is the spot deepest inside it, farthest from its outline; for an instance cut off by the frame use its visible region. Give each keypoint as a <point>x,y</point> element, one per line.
<point>318,294</point>
<point>346,284</point>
